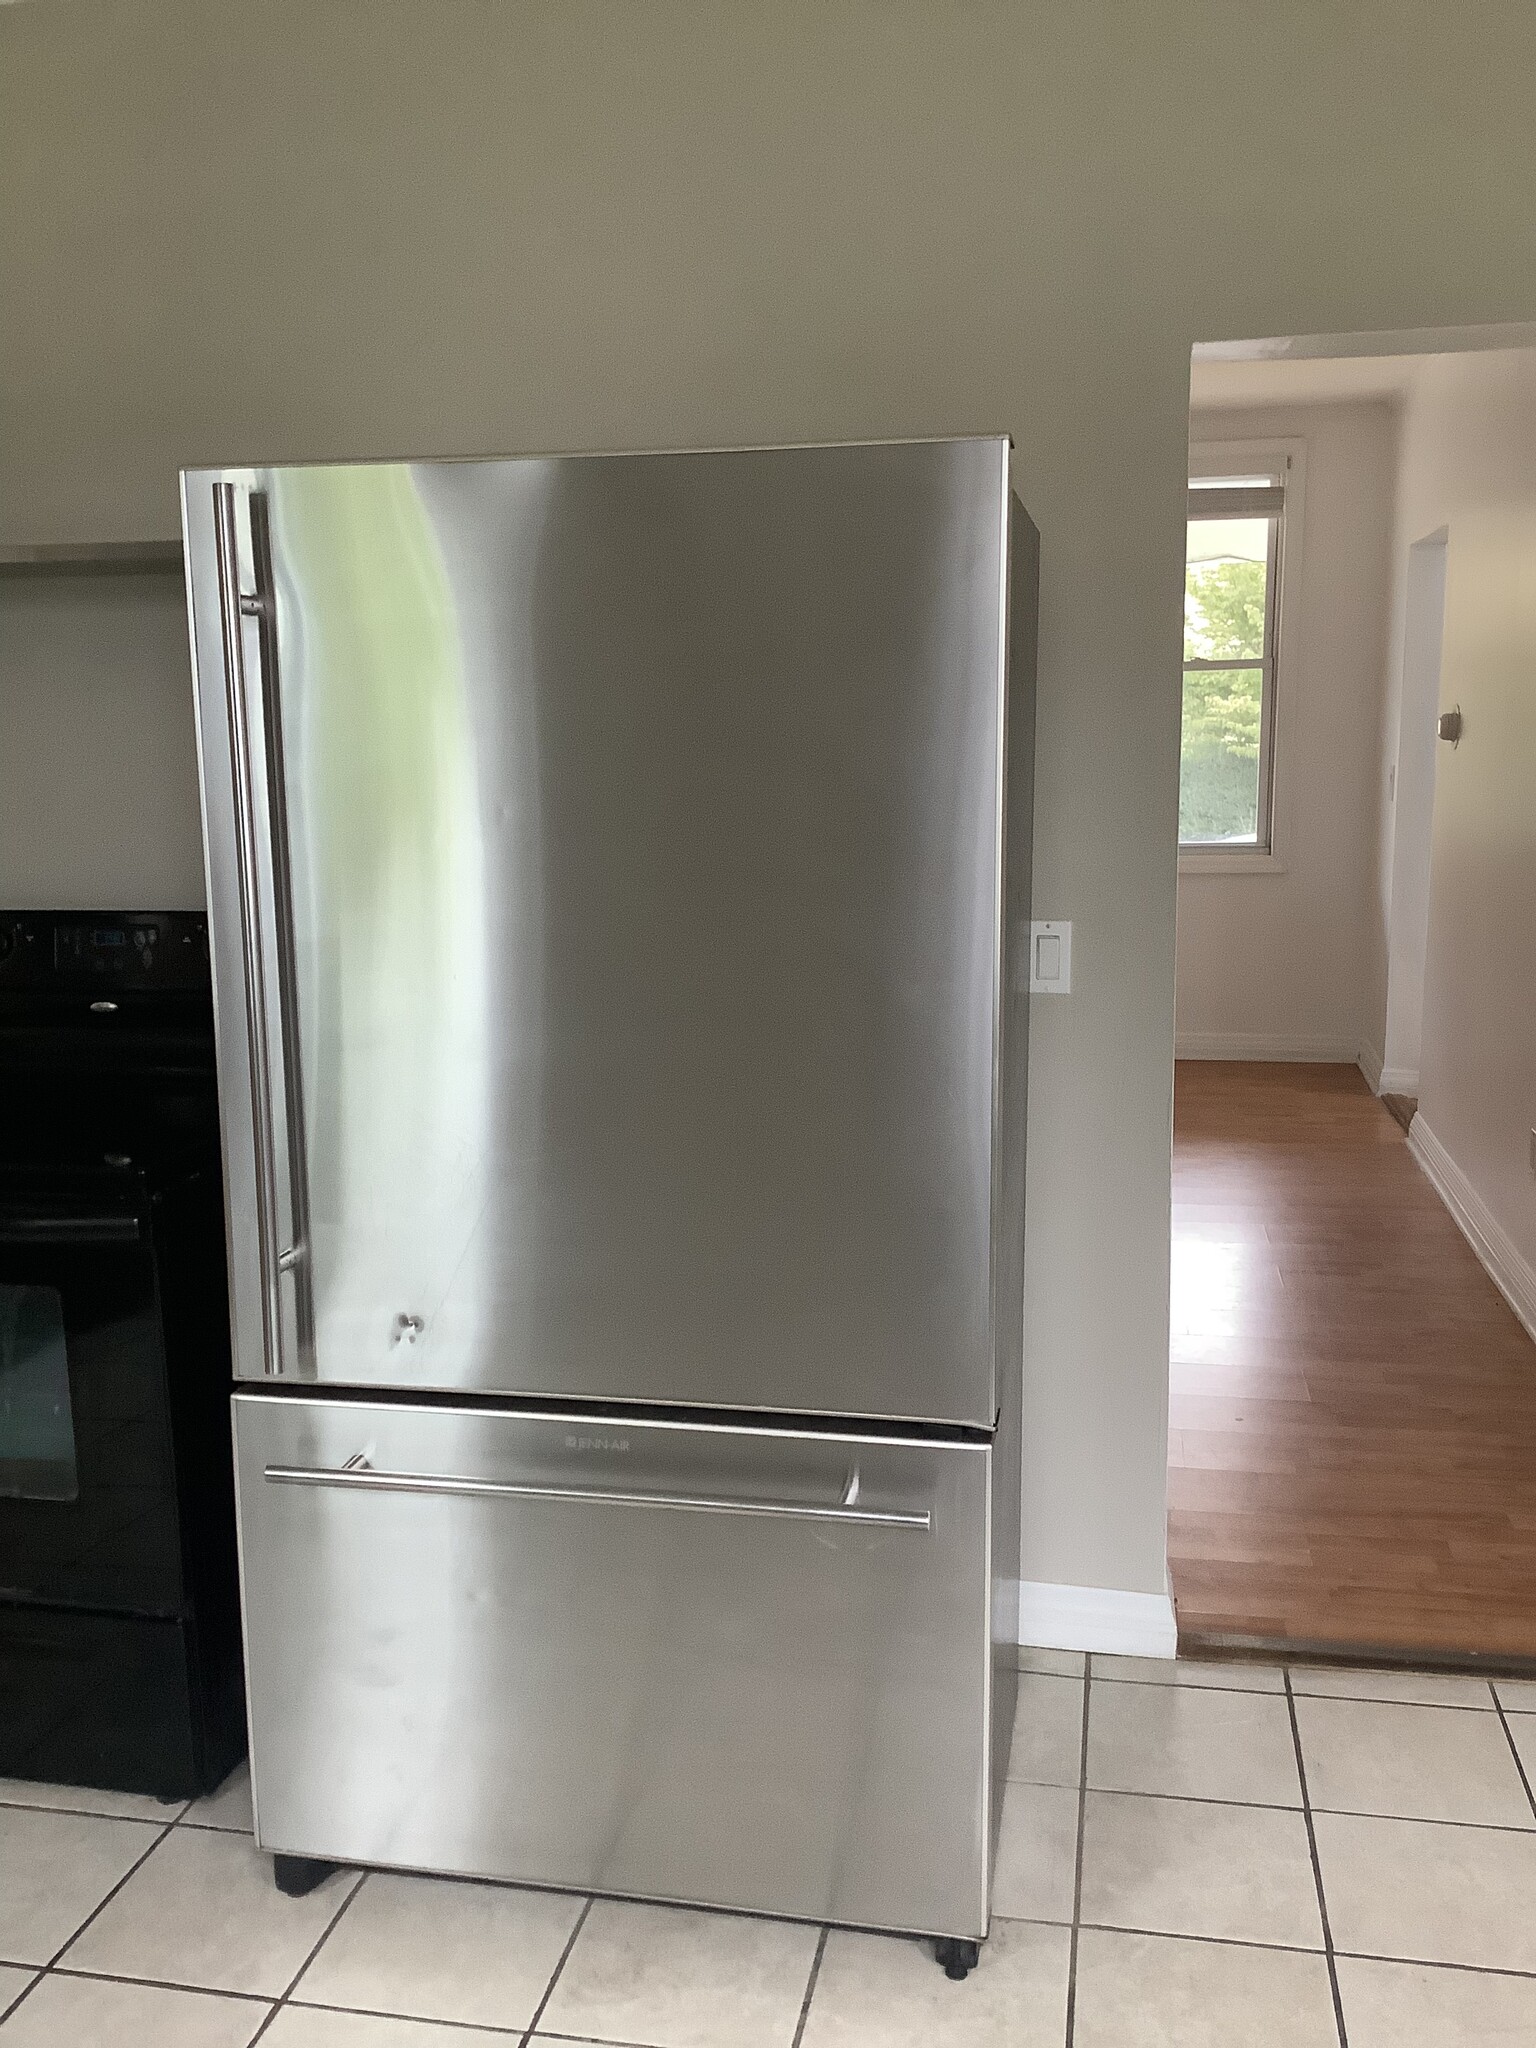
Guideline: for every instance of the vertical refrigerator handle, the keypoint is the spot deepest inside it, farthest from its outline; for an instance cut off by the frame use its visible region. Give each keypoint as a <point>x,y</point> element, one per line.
<point>261,847</point>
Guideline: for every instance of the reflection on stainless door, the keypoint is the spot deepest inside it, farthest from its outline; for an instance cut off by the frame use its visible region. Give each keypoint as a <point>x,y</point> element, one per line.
<point>387,854</point>
<point>747,1667</point>
<point>644,824</point>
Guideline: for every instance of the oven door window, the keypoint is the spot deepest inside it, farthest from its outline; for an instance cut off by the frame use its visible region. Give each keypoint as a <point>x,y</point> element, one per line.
<point>37,1425</point>
<point>87,1481</point>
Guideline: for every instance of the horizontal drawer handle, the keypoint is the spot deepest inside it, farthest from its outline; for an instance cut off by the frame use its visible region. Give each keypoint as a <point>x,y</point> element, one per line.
<point>354,1474</point>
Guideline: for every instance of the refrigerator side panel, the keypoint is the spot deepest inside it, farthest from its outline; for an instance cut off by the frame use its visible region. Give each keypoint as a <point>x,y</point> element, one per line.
<point>742,1667</point>
<point>1012,1132</point>
<point>1013,1053</point>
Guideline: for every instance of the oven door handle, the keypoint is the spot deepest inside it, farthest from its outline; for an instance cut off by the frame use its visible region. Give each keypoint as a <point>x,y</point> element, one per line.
<point>20,1229</point>
<point>266,898</point>
<point>358,1475</point>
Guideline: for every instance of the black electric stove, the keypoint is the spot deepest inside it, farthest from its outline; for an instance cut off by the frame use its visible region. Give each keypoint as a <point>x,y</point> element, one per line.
<point>119,1616</point>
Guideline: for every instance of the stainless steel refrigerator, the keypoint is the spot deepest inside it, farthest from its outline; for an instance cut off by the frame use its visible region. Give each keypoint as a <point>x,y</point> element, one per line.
<point>619,880</point>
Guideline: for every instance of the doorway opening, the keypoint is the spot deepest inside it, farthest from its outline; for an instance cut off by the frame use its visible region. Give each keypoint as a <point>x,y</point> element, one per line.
<point>1352,1401</point>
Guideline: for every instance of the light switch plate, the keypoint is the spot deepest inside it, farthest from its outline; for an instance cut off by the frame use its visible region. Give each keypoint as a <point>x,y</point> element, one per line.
<point>1050,958</point>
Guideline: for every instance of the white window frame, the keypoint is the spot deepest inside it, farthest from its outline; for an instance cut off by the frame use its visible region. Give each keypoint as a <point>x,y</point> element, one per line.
<point>1286,458</point>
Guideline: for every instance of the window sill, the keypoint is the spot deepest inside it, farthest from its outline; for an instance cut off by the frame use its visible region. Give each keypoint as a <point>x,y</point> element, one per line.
<point>1255,863</point>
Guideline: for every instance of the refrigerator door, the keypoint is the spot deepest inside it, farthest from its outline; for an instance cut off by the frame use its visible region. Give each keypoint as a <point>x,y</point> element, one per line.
<point>736,1666</point>
<point>604,856</point>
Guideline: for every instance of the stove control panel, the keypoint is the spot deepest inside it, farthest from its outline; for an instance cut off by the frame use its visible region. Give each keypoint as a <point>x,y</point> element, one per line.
<point>98,950</point>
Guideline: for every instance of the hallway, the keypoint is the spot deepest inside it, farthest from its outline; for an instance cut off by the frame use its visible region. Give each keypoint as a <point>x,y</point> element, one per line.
<point>1352,1408</point>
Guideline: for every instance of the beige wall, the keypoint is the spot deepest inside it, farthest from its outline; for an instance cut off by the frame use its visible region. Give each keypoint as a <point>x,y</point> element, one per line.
<point>1469,465</point>
<point>1271,961</point>
<point>1398,935</point>
<point>333,227</point>
<point>98,765</point>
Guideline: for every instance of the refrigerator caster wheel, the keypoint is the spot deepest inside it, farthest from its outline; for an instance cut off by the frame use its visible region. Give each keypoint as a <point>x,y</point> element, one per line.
<point>297,1876</point>
<point>957,1959</point>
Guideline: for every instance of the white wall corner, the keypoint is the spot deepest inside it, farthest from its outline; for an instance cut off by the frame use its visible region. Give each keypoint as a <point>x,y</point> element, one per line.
<point>1398,1081</point>
<point>1373,1066</point>
<point>1262,1045</point>
<point>1096,1618</point>
<point>1512,1274</point>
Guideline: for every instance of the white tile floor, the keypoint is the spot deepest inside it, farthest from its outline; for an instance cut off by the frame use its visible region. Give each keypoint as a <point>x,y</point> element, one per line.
<point>1193,1856</point>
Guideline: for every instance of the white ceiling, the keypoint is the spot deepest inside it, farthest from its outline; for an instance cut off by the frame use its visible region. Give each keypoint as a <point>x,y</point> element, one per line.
<point>1314,368</point>
<point>1309,382</point>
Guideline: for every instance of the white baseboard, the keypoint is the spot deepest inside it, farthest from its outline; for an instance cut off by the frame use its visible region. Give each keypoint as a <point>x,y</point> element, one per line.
<point>1512,1274</point>
<point>1260,1045</point>
<point>1385,1080</point>
<point>1096,1618</point>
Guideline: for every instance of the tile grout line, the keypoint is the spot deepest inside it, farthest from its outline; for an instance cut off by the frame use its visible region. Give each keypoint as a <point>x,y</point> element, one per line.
<point>549,1989</point>
<point>139,1820</point>
<point>414,2019</point>
<point>326,1932</point>
<point>579,2040</point>
<point>1077,1869</point>
<point>1189,1685</point>
<point>589,2040</point>
<point>1284,1948</point>
<point>1417,1820</point>
<point>1509,1737</point>
<point>1361,1699</point>
<point>76,1974</point>
<point>1365,1955</point>
<point>1317,1867</point>
<point>1274,1692</point>
<point>46,1969</point>
<point>810,1987</point>
<point>102,1904</point>
<point>6,2011</point>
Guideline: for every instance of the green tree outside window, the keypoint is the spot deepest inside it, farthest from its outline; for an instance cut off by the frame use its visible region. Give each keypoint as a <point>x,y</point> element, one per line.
<point>1225,604</point>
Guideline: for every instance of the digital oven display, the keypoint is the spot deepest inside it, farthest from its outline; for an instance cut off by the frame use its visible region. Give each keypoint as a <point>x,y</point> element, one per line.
<point>106,948</point>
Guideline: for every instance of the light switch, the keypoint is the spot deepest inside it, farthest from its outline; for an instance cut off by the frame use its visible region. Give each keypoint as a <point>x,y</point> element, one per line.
<point>1050,958</point>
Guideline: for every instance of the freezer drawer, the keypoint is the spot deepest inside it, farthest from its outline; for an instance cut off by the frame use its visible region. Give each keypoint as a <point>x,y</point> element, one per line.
<point>746,1667</point>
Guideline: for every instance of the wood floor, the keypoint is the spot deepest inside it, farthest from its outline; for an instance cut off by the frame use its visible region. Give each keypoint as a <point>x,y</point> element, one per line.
<point>1352,1426</point>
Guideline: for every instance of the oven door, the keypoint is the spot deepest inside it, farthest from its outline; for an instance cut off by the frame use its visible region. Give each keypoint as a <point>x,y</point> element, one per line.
<point>87,1495</point>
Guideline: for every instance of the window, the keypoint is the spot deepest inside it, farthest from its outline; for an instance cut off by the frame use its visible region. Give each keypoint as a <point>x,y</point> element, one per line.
<point>1231,607</point>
